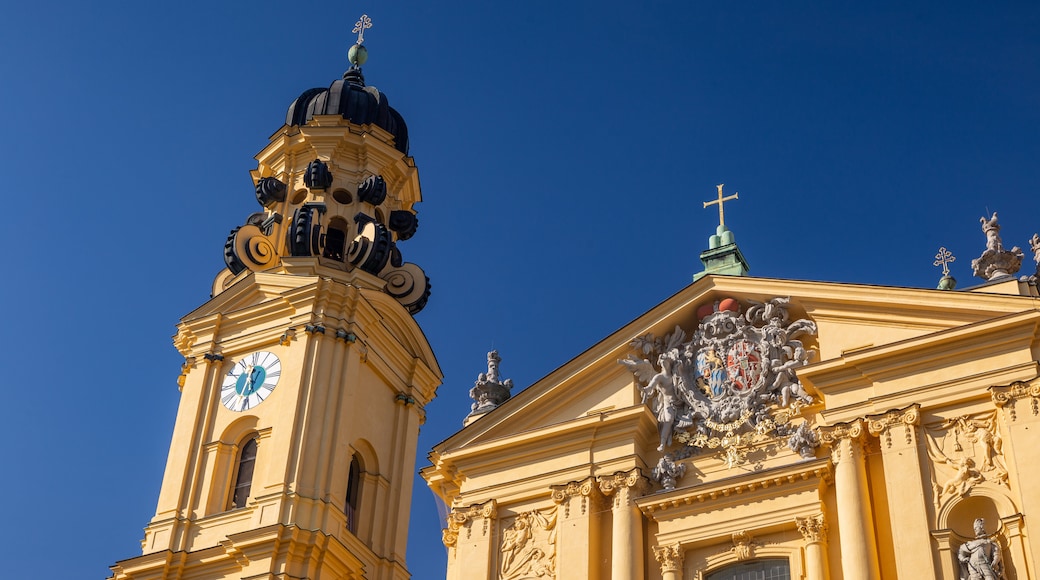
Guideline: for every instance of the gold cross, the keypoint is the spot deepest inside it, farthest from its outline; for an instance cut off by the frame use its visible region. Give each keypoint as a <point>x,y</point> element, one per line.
<point>719,202</point>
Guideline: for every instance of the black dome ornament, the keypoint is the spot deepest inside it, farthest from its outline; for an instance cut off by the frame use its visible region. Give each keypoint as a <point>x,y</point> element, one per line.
<point>372,190</point>
<point>318,175</point>
<point>269,191</point>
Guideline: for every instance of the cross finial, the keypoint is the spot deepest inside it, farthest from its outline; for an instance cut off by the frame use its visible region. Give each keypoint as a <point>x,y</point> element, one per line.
<point>944,258</point>
<point>719,202</point>
<point>360,26</point>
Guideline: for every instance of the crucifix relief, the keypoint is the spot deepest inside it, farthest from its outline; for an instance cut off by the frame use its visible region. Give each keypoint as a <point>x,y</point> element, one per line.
<point>720,201</point>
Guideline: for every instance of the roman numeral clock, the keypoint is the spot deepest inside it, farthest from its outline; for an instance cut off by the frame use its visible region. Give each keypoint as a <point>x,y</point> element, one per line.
<point>250,381</point>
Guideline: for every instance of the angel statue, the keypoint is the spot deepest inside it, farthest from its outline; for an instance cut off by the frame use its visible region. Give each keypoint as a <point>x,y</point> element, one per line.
<point>661,387</point>
<point>980,558</point>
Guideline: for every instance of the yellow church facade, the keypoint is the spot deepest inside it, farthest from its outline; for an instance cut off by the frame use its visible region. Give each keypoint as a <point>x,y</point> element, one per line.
<point>752,428</point>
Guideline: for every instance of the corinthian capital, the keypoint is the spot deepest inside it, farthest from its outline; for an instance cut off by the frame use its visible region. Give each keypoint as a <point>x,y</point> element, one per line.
<point>670,557</point>
<point>631,483</point>
<point>813,528</point>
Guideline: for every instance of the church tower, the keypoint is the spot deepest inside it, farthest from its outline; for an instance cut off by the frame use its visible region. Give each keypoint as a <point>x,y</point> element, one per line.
<point>305,376</point>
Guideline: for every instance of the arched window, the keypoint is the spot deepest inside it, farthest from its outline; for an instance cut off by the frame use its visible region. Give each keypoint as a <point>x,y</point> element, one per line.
<point>353,494</point>
<point>244,475</point>
<point>770,569</point>
<point>335,239</point>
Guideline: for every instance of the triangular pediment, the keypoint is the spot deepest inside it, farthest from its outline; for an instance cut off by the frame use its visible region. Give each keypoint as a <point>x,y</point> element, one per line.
<point>849,318</point>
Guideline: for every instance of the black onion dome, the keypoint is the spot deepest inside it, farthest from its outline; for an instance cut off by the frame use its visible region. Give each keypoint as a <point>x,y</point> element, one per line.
<point>357,103</point>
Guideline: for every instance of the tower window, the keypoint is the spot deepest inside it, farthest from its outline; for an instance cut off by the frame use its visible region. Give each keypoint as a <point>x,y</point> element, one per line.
<point>335,239</point>
<point>244,477</point>
<point>353,494</point>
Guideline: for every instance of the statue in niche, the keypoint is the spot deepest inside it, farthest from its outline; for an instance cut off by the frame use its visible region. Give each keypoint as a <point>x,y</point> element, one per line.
<point>980,558</point>
<point>489,392</point>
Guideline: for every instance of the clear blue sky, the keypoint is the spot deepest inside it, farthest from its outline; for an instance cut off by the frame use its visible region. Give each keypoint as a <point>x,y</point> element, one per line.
<point>564,150</point>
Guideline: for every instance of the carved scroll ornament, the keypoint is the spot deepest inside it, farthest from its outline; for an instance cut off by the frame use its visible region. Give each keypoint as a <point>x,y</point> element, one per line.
<point>459,517</point>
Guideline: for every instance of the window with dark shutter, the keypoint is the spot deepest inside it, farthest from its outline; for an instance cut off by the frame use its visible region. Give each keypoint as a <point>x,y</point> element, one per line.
<point>353,494</point>
<point>244,477</point>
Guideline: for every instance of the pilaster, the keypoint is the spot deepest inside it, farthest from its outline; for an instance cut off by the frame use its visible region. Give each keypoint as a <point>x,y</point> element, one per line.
<point>579,527</point>
<point>897,432</point>
<point>1019,405</point>
<point>468,539</point>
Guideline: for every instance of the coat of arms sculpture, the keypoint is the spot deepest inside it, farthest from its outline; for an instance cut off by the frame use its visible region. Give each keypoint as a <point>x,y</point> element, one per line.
<point>732,383</point>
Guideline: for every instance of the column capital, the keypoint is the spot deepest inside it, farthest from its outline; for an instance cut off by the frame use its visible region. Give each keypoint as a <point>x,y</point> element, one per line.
<point>458,517</point>
<point>813,528</point>
<point>586,489</point>
<point>632,480</point>
<point>1006,397</point>
<point>670,557</point>
<point>881,425</point>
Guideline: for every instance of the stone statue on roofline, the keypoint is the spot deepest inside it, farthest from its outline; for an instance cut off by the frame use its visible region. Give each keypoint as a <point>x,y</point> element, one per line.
<point>995,262</point>
<point>489,391</point>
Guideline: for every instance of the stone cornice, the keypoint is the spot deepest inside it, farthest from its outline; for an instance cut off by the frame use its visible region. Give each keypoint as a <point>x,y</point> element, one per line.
<point>732,487</point>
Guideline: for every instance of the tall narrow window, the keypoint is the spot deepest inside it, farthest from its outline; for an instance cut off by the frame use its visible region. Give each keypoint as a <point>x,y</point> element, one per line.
<point>244,478</point>
<point>353,493</point>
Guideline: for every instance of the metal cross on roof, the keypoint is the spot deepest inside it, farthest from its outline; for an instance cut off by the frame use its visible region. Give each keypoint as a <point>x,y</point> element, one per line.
<point>719,202</point>
<point>360,26</point>
<point>945,258</point>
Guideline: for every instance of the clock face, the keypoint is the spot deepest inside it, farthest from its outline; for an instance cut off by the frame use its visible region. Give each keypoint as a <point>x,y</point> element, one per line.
<point>250,381</point>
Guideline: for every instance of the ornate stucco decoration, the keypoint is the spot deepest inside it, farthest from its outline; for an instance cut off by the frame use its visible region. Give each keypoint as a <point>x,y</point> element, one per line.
<point>667,472</point>
<point>743,546</point>
<point>881,426</point>
<point>586,490</point>
<point>1007,397</point>
<point>624,486</point>
<point>995,262</point>
<point>965,451</point>
<point>670,558</point>
<point>733,384</point>
<point>980,559</point>
<point>528,547</point>
<point>812,528</point>
<point>1034,245</point>
<point>490,390</point>
<point>460,517</point>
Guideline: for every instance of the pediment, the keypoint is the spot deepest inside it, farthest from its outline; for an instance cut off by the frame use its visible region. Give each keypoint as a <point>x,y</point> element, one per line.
<point>848,318</point>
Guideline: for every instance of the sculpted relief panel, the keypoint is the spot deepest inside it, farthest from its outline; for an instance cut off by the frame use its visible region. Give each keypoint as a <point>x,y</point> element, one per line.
<point>528,548</point>
<point>965,451</point>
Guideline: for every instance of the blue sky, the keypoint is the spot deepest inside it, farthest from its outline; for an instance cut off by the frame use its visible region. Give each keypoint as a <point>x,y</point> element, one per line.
<point>564,151</point>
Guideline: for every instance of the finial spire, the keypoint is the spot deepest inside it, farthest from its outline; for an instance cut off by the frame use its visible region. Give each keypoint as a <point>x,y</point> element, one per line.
<point>945,258</point>
<point>720,201</point>
<point>360,26</point>
<point>358,54</point>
